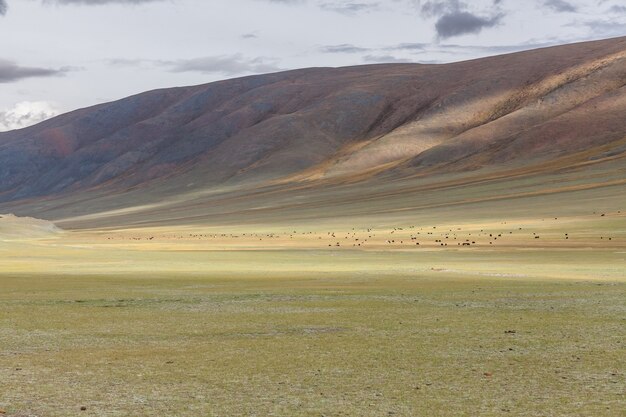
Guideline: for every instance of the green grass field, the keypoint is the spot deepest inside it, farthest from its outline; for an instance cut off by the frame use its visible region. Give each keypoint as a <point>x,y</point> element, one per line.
<point>279,320</point>
<point>321,333</point>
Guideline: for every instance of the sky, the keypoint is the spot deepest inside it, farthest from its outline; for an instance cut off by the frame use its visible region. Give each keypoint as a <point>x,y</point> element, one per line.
<point>60,55</point>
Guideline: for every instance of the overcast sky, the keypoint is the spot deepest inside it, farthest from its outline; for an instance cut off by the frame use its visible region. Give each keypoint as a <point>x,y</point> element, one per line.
<point>59,55</point>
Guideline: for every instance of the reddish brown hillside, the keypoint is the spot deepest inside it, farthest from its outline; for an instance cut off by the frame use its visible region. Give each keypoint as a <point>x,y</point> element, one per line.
<point>323,124</point>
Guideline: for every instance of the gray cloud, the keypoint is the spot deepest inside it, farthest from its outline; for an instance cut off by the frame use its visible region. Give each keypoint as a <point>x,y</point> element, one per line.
<point>127,62</point>
<point>348,8</point>
<point>235,64</point>
<point>495,49</point>
<point>560,6</point>
<point>460,23</point>
<point>10,71</point>
<point>456,50</point>
<point>436,8</point>
<point>606,28</point>
<point>384,59</point>
<point>618,9</point>
<point>100,2</point>
<point>411,46</point>
<point>343,49</point>
<point>224,64</point>
<point>4,7</point>
<point>454,19</point>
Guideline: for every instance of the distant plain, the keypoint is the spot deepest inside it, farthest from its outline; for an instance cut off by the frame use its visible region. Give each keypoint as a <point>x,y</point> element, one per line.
<point>276,319</point>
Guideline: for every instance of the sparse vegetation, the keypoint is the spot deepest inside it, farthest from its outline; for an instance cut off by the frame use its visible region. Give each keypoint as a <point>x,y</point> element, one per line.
<point>166,321</point>
<point>429,342</point>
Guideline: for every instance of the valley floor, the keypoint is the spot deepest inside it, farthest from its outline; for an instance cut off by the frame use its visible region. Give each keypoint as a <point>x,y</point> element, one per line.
<point>282,321</point>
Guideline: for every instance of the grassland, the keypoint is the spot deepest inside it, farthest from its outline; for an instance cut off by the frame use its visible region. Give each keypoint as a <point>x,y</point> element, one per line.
<point>177,321</point>
<point>301,268</point>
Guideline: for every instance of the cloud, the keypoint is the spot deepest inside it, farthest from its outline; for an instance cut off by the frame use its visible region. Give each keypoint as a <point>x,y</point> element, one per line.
<point>453,18</point>
<point>458,51</point>
<point>384,59</point>
<point>4,6</point>
<point>287,1</point>
<point>411,46</point>
<point>618,9</point>
<point>436,8</point>
<point>235,64</point>
<point>348,8</point>
<point>101,2</point>
<point>460,23</point>
<point>25,114</point>
<point>560,6</point>
<point>10,71</point>
<point>604,28</point>
<point>224,64</point>
<point>493,49</point>
<point>127,62</point>
<point>345,48</point>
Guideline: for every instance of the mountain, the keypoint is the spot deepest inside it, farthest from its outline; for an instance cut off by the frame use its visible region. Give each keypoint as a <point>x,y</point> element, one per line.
<point>190,154</point>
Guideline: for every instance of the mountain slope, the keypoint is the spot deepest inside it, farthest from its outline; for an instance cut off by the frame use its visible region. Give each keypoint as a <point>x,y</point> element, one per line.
<point>557,107</point>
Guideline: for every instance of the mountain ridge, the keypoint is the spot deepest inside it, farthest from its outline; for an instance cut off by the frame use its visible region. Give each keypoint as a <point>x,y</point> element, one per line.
<point>315,125</point>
